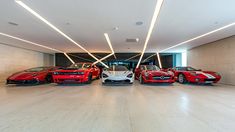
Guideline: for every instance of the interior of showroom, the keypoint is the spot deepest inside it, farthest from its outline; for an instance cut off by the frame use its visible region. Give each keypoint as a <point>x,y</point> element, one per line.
<point>126,65</point>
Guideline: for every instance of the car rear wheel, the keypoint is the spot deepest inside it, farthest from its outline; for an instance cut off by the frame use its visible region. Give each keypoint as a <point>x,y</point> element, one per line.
<point>182,79</point>
<point>48,79</point>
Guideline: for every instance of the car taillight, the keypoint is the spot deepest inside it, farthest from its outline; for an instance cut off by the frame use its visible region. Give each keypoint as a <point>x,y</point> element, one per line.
<point>130,75</point>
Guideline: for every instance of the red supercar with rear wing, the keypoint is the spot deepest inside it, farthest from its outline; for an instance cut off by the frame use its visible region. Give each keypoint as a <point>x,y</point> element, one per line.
<point>77,73</point>
<point>191,75</point>
<point>153,74</point>
<point>32,76</point>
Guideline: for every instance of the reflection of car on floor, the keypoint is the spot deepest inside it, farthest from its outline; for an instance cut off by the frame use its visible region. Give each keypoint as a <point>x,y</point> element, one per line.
<point>153,74</point>
<point>77,73</point>
<point>32,76</point>
<point>117,74</point>
<point>191,75</point>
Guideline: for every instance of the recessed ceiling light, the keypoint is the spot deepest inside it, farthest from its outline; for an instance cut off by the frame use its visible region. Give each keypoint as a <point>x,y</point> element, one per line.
<point>13,23</point>
<point>139,23</point>
<point>115,28</point>
<point>67,23</point>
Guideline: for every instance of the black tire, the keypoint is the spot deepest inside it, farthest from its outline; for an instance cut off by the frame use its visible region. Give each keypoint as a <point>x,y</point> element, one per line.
<point>48,79</point>
<point>182,79</point>
<point>89,79</point>
<point>141,80</point>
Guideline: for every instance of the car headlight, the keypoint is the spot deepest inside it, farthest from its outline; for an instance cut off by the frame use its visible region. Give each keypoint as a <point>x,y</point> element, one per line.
<point>146,74</point>
<point>171,73</point>
<point>55,73</point>
<point>80,73</point>
<point>34,75</point>
<point>104,75</point>
<point>130,75</point>
<point>217,74</point>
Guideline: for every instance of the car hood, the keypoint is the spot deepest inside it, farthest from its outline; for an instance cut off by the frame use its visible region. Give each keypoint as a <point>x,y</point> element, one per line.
<point>71,70</point>
<point>117,73</point>
<point>206,73</point>
<point>22,75</point>
<point>158,73</point>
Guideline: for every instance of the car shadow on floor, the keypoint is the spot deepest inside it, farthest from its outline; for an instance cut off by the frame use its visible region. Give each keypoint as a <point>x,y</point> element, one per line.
<point>158,84</point>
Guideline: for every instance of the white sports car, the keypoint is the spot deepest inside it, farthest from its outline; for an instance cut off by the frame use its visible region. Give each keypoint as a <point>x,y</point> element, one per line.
<point>117,74</point>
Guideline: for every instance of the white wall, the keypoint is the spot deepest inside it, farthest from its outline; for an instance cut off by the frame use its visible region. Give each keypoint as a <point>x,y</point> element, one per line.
<point>13,59</point>
<point>216,56</point>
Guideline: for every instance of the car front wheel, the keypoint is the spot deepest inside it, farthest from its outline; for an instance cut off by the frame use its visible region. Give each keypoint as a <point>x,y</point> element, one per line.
<point>141,80</point>
<point>182,79</point>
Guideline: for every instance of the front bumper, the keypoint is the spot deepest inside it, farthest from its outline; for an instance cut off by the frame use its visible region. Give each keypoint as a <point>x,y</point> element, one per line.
<point>118,80</point>
<point>202,80</point>
<point>158,80</point>
<point>69,79</point>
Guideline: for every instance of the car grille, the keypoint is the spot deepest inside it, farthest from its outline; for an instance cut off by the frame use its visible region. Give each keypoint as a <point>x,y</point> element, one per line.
<point>69,73</point>
<point>161,77</point>
<point>117,81</point>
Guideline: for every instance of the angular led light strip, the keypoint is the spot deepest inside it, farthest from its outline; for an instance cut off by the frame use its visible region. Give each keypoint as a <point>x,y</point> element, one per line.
<point>110,46</point>
<point>159,60</point>
<point>203,35</point>
<point>55,28</point>
<point>133,57</point>
<point>154,19</point>
<point>149,57</point>
<point>69,58</point>
<point>187,41</point>
<point>29,42</point>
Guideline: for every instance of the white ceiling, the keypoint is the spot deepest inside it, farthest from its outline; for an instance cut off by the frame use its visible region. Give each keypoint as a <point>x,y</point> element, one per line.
<point>88,20</point>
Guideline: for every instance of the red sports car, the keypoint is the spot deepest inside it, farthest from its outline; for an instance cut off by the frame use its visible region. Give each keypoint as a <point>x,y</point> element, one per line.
<point>153,74</point>
<point>77,73</point>
<point>192,75</point>
<point>32,76</point>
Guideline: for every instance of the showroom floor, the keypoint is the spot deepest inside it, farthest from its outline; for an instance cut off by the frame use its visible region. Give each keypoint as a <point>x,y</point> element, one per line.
<point>134,108</point>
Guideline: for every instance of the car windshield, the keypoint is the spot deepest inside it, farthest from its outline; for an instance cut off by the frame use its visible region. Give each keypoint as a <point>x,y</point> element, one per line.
<point>151,67</point>
<point>191,69</point>
<point>80,66</point>
<point>37,69</point>
<point>117,68</point>
<point>186,69</point>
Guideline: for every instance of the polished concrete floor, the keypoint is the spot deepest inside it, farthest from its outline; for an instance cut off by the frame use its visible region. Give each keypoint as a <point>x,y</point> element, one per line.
<point>128,108</point>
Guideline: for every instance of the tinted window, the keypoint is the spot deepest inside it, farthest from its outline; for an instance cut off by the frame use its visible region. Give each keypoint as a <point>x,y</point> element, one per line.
<point>80,66</point>
<point>117,68</point>
<point>151,67</point>
<point>37,69</point>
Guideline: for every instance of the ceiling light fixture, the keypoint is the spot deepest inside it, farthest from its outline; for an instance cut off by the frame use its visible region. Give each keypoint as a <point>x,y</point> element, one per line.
<point>29,42</point>
<point>203,35</point>
<point>69,58</point>
<point>149,57</point>
<point>55,28</point>
<point>159,60</point>
<point>154,19</point>
<point>110,46</point>
<point>133,57</point>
